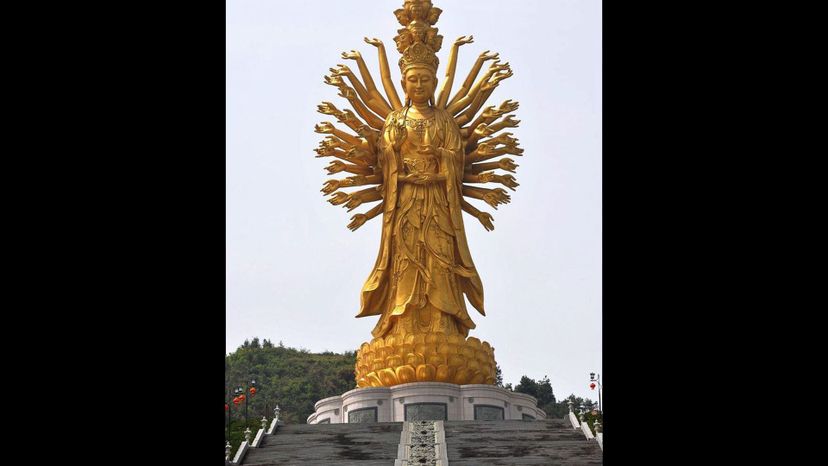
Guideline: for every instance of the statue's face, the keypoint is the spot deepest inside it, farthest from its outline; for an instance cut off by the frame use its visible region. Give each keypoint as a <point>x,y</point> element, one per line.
<point>419,85</point>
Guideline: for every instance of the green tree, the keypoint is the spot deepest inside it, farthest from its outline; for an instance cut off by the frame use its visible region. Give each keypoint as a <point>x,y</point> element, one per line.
<point>541,390</point>
<point>294,379</point>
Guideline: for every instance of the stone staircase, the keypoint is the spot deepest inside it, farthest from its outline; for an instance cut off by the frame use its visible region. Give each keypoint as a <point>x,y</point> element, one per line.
<point>468,443</point>
<point>549,442</point>
<point>328,444</point>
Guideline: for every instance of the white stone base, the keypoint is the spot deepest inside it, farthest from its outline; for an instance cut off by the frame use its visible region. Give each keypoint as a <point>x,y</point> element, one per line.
<point>459,401</point>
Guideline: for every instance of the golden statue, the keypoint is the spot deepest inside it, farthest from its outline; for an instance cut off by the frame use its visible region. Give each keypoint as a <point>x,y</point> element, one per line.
<point>420,156</point>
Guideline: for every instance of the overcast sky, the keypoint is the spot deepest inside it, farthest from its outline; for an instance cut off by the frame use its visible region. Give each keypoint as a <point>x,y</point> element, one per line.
<point>294,271</point>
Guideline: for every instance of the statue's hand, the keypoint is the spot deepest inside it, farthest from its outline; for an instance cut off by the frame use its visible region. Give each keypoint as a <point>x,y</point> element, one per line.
<point>501,76</point>
<point>504,138</point>
<point>330,186</point>
<point>353,203</point>
<point>514,150</point>
<point>462,40</point>
<point>396,134</point>
<point>335,167</point>
<point>496,197</point>
<point>324,128</point>
<point>374,41</point>
<point>327,108</point>
<point>508,106</point>
<point>352,55</point>
<point>486,219</point>
<point>323,152</point>
<point>341,70</point>
<point>357,221</point>
<point>509,121</point>
<point>497,66</point>
<point>333,80</point>
<point>508,181</point>
<point>507,164</point>
<point>339,198</point>
<point>420,178</point>
<point>489,56</point>
<point>489,112</point>
<point>485,149</point>
<point>483,130</point>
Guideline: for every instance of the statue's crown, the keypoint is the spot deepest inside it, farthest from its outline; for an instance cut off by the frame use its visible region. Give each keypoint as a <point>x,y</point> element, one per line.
<point>418,41</point>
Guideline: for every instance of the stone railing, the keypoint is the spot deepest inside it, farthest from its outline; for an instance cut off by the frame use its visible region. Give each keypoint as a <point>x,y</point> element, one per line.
<point>579,422</point>
<point>247,443</point>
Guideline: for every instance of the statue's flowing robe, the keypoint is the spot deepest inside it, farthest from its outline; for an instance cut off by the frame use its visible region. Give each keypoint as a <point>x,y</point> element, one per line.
<point>424,258</point>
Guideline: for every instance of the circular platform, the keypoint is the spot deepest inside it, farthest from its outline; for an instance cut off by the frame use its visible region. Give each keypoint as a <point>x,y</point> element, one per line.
<point>420,401</point>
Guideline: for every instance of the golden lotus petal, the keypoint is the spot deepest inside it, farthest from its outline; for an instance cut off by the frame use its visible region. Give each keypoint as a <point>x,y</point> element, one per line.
<point>406,374</point>
<point>415,359</point>
<point>390,341</point>
<point>477,378</point>
<point>444,373</point>
<point>456,360</point>
<point>461,376</point>
<point>473,342</point>
<point>373,380</point>
<point>436,359</point>
<point>388,377</point>
<point>426,372</point>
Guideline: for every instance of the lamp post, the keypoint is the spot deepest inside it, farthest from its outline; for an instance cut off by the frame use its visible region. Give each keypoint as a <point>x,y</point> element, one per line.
<point>241,395</point>
<point>596,380</point>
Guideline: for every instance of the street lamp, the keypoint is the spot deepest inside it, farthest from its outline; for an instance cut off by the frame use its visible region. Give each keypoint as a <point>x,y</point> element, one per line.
<point>241,395</point>
<point>593,381</point>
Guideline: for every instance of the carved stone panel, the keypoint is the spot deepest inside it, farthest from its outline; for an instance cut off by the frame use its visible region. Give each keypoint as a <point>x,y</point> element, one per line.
<point>426,412</point>
<point>363,415</point>
<point>488,413</point>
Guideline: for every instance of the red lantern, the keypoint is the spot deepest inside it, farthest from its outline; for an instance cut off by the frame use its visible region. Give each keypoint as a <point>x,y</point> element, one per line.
<point>241,397</point>
<point>226,406</point>
<point>592,386</point>
<point>252,391</point>
<point>236,401</point>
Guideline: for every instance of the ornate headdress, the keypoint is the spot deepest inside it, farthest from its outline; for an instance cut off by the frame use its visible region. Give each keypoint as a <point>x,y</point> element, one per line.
<point>418,41</point>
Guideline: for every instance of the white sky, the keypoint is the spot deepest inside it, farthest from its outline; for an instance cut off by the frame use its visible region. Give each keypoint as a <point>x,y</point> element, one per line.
<point>294,271</point>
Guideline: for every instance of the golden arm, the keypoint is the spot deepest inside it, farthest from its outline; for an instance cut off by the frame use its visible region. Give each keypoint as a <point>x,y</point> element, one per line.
<point>478,64</point>
<point>445,90</point>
